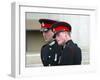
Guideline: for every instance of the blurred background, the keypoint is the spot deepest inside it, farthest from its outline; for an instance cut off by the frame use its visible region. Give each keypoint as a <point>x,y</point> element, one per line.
<point>34,39</point>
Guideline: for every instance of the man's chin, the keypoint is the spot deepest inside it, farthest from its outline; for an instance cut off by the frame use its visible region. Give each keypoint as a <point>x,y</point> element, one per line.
<point>46,40</point>
<point>59,43</point>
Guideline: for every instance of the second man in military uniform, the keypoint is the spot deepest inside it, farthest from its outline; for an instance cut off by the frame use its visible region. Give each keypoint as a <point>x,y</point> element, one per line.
<point>50,52</point>
<point>71,53</point>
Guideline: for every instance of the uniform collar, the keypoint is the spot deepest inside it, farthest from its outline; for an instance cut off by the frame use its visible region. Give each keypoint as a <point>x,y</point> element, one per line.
<point>67,43</point>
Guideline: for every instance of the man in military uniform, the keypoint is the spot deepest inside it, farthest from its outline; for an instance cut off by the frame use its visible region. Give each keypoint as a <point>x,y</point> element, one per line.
<point>71,53</point>
<point>50,52</point>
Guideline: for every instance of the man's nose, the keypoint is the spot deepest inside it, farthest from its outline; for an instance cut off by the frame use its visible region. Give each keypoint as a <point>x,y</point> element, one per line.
<point>43,33</point>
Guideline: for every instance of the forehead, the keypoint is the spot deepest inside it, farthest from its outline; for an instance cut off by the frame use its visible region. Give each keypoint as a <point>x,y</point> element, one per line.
<point>59,34</point>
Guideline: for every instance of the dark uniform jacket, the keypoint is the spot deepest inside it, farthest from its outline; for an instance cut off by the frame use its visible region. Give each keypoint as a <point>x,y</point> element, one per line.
<point>50,54</point>
<point>71,54</point>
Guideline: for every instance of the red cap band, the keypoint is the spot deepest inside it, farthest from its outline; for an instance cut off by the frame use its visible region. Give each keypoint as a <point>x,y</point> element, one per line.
<point>45,25</point>
<point>60,28</point>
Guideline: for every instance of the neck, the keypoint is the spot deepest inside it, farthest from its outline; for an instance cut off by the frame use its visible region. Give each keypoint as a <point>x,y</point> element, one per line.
<point>49,41</point>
